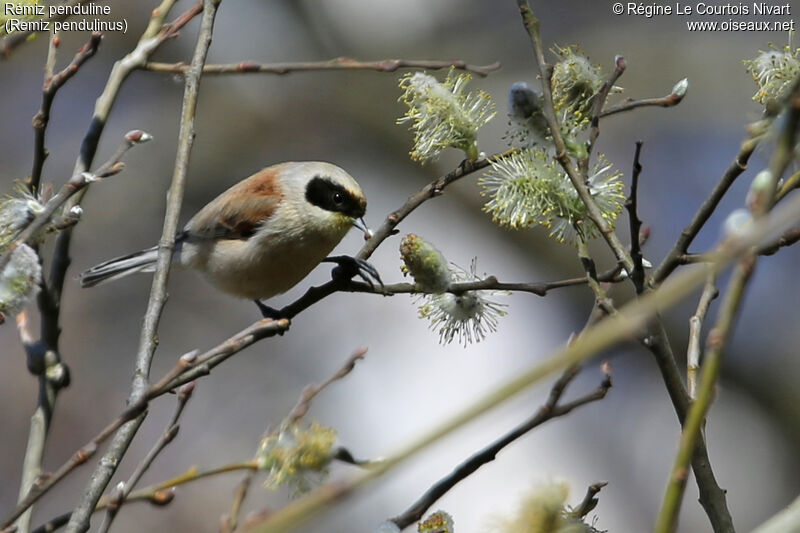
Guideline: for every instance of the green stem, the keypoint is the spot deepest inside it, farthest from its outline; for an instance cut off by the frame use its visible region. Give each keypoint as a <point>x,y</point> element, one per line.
<point>717,341</point>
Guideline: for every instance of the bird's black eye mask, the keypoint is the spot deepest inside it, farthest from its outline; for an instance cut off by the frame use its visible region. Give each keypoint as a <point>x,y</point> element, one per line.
<point>324,193</point>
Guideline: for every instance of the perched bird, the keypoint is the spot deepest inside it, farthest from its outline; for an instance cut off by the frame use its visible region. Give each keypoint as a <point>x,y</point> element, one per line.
<point>263,235</point>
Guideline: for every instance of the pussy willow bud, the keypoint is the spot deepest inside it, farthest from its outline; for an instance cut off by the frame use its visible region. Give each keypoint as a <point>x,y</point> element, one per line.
<point>295,454</point>
<point>16,212</point>
<point>444,114</point>
<point>774,71</point>
<point>758,197</point>
<point>425,263</point>
<point>138,137</point>
<point>19,279</point>
<point>542,511</point>
<point>737,223</point>
<point>438,522</point>
<point>680,88</point>
<point>525,112</point>
<point>575,82</point>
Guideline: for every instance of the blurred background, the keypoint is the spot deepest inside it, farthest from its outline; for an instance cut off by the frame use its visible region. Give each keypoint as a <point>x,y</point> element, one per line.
<point>408,382</point>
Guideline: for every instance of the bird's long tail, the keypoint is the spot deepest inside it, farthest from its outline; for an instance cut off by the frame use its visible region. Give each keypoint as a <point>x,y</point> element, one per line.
<point>143,261</point>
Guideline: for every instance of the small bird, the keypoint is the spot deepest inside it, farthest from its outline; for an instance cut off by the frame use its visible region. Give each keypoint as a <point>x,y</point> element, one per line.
<point>263,235</point>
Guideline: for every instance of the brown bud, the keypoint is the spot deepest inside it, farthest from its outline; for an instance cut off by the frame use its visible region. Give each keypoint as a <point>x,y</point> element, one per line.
<point>138,136</point>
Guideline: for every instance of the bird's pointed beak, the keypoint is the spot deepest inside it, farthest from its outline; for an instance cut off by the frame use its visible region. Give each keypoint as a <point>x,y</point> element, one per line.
<point>360,224</point>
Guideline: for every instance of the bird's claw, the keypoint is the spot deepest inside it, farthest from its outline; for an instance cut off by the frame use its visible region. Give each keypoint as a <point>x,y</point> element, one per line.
<point>349,267</point>
<point>267,311</point>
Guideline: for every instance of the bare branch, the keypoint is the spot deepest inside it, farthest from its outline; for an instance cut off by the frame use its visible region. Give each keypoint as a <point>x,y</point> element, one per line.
<point>695,329</point>
<point>79,521</point>
<point>339,63</point>
<point>589,501</point>
<point>52,83</point>
<point>637,276</point>
<point>489,283</point>
<point>739,165</point>
<point>550,410</point>
<point>169,434</point>
<point>665,101</point>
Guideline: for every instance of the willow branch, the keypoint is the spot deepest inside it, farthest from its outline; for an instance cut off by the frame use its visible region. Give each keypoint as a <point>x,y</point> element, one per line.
<point>665,101</point>
<point>188,368</point>
<point>52,83</point>
<point>339,63</point>
<point>720,335</point>
<point>635,224</point>
<point>170,432</point>
<point>695,329</point>
<point>489,283</point>
<point>687,236</point>
<point>72,187</point>
<point>667,520</point>
<point>79,521</point>
<point>551,409</point>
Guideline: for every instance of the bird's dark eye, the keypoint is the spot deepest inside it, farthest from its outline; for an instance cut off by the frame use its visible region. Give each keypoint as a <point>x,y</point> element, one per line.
<point>338,198</point>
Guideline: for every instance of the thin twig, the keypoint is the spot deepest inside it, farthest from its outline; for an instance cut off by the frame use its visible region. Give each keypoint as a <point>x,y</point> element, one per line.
<point>187,369</point>
<point>79,521</point>
<point>695,329</point>
<point>787,238</point>
<point>602,301</point>
<point>549,410</point>
<point>489,283</point>
<point>631,204</point>
<point>687,236</point>
<point>74,185</point>
<point>339,63</point>
<point>589,501</point>
<point>52,83</point>
<point>169,434</point>
<point>665,101</point>
<point>788,185</point>
<point>599,102</point>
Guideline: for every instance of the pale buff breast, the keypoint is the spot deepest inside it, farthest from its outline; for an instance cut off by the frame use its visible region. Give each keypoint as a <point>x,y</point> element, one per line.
<point>241,268</point>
